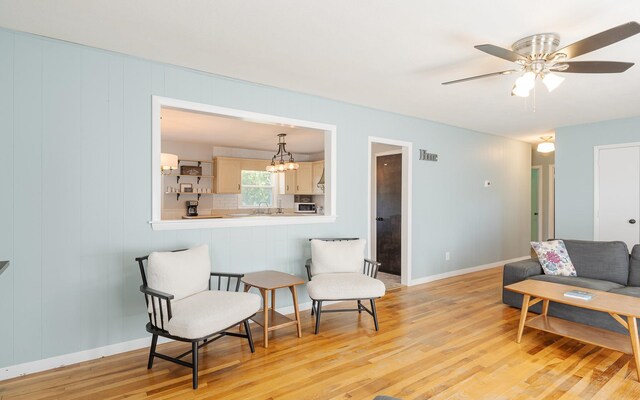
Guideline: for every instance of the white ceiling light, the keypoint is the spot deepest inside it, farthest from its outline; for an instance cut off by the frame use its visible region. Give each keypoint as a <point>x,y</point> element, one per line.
<point>168,162</point>
<point>546,146</point>
<point>552,81</point>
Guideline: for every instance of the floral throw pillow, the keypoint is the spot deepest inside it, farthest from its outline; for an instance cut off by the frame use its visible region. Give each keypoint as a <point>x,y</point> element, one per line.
<point>554,258</point>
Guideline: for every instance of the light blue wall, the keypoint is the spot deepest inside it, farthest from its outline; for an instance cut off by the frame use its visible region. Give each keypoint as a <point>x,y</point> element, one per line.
<point>75,148</point>
<point>574,171</point>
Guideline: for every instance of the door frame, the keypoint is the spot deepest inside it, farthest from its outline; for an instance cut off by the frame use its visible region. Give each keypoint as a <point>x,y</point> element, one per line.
<point>373,231</point>
<point>407,190</point>
<point>540,205</point>
<point>551,200</point>
<point>596,181</point>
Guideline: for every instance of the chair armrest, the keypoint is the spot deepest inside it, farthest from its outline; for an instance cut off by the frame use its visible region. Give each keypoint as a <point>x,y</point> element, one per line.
<point>229,276</point>
<point>155,293</point>
<point>520,270</point>
<point>307,265</point>
<point>371,267</point>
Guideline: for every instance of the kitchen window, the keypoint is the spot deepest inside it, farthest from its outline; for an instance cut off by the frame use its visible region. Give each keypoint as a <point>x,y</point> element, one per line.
<point>257,188</point>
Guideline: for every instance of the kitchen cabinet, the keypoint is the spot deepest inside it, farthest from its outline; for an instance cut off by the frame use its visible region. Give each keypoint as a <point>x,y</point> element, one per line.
<point>304,177</point>
<point>289,182</point>
<point>317,170</point>
<point>226,173</point>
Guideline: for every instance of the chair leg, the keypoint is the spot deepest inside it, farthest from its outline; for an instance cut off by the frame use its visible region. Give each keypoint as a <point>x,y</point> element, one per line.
<point>375,314</point>
<point>318,312</point>
<point>359,307</point>
<point>249,336</point>
<point>152,350</point>
<point>313,307</point>
<point>194,360</point>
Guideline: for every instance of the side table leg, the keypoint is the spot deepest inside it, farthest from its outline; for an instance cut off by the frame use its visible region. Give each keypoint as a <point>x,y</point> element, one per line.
<point>265,306</point>
<point>273,299</point>
<point>523,316</point>
<point>294,293</point>
<point>633,332</point>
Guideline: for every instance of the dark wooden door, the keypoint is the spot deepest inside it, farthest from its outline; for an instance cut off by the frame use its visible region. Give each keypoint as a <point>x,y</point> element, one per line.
<point>389,212</point>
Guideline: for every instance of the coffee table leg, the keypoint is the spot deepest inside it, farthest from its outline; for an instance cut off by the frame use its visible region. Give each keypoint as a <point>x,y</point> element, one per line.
<point>545,307</point>
<point>265,306</point>
<point>635,346</point>
<point>523,316</point>
<point>295,308</point>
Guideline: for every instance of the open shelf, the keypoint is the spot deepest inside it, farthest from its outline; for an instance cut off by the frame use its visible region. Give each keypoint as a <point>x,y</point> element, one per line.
<point>180,193</point>
<point>588,334</point>
<point>178,176</point>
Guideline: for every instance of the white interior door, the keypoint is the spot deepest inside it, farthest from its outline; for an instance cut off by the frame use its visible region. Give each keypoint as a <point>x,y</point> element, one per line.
<point>618,194</point>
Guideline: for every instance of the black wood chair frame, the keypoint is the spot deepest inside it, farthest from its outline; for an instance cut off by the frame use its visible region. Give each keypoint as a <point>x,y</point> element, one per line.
<point>152,325</point>
<point>370,268</point>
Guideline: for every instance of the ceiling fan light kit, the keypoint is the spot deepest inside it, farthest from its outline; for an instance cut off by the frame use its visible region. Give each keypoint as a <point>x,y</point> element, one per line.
<point>537,56</point>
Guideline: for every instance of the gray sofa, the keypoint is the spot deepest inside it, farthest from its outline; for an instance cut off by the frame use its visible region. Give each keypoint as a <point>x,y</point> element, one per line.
<point>599,265</point>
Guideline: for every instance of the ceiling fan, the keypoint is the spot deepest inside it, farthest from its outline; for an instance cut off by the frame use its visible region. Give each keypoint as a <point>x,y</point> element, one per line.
<point>538,56</point>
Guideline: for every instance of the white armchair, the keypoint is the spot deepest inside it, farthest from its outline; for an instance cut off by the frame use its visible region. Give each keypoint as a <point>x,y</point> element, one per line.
<point>338,271</point>
<point>182,306</point>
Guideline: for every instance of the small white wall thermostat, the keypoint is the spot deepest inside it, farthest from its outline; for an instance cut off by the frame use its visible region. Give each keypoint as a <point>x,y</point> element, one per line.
<point>487,183</point>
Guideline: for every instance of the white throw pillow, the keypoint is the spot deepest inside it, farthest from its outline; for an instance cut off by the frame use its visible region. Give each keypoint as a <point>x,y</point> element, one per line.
<point>554,258</point>
<point>181,273</point>
<point>329,257</point>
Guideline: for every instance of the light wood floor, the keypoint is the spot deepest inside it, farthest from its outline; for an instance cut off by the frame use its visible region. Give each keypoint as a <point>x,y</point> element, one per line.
<point>447,339</point>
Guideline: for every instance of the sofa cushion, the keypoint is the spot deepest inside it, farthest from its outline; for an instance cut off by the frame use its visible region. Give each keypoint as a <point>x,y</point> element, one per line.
<point>628,291</point>
<point>344,286</point>
<point>211,311</point>
<point>553,257</point>
<point>180,273</point>
<point>608,261</point>
<point>589,283</point>
<point>329,257</point>
<point>634,266</point>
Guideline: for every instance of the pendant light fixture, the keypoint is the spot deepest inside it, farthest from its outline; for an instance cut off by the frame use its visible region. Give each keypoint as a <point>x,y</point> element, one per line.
<point>546,146</point>
<point>278,163</point>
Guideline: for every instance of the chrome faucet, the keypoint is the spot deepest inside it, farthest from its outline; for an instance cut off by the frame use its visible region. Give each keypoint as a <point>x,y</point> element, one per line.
<point>259,211</point>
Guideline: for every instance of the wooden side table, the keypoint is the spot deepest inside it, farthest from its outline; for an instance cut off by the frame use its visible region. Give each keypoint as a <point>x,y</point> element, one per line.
<point>269,318</point>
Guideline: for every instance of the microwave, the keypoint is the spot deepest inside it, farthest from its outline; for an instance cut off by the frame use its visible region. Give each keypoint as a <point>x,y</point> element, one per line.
<point>304,207</point>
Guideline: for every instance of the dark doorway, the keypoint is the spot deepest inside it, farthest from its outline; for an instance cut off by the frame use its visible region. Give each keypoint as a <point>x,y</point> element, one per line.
<point>389,212</point>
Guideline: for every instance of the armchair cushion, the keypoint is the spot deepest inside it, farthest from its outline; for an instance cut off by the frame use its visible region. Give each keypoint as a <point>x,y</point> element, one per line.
<point>180,273</point>
<point>337,256</point>
<point>209,312</point>
<point>344,286</point>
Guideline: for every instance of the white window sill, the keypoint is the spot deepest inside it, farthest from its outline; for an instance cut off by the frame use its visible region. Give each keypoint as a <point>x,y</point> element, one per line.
<point>167,225</point>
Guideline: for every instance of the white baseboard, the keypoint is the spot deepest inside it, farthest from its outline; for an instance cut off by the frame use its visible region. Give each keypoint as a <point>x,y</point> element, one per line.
<point>14,371</point>
<point>32,367</point>
<point>463,271</point>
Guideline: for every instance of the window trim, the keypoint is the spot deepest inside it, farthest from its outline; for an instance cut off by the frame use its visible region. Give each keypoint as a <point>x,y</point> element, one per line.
<point>273,187</point>
<point>330,141</point>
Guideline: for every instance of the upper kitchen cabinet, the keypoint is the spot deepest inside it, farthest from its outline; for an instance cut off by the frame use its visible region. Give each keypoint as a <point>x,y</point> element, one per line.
<point>289,182</point>
<point>304,178</point>
<point>317,169</point>
<point>226,175</point>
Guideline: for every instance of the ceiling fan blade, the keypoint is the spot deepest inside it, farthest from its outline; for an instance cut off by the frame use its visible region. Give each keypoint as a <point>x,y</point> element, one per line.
<point>510,71</point>
<point>596,67</point>
<point>500,52</point>
<point>600,40</point>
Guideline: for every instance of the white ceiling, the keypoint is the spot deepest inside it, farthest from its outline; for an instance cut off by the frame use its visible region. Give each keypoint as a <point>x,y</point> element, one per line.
<point>382,54</point>
<point>194,127</point>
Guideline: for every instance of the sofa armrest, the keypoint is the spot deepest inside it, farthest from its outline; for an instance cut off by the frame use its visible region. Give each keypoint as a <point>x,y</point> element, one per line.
<point>521,270</point>
<point>516,272</point>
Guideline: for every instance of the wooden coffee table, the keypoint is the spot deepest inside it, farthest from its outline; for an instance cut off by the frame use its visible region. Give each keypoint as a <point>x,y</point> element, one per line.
<point>617,305</point>
<point>269,318</point>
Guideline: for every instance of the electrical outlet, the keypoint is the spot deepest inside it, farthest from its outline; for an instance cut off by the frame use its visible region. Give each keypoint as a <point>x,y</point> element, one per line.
<point>487,183</point>
<point>447,256</point>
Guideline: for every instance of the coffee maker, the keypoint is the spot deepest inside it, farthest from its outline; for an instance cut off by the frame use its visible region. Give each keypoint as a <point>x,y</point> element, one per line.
<point>192,208</point>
